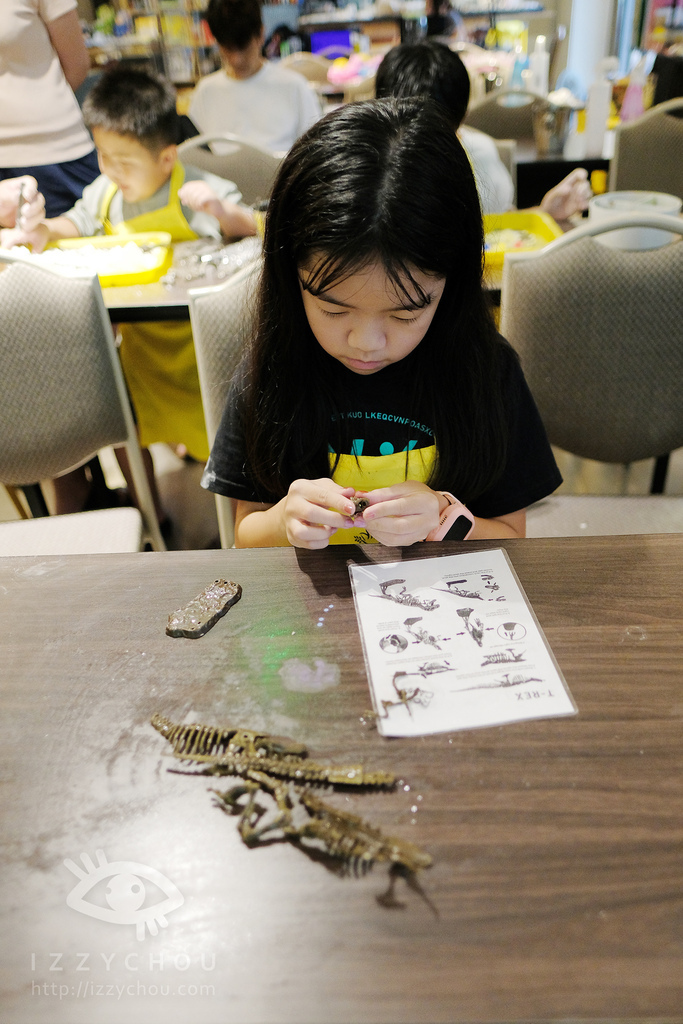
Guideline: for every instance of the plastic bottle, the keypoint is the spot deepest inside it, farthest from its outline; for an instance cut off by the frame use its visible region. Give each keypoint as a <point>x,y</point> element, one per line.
<point>598,109</point>
<point>539,65</point>
<point>632,103</point>
<point>521,64</point>
<point>598,182</point>
<point>575,146</point>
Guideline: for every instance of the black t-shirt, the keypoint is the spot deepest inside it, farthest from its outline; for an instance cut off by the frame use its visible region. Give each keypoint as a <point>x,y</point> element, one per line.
<point>375,407</point>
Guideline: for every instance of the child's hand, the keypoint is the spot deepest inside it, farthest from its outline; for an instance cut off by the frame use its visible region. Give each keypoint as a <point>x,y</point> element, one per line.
<point>36,239</point>
<point>235,221</point>
<point>32,207</point>
<point>402,514</point>
<point>570,196</point>
<point>32,211</point>
<point>199,196</point>
<point>314,510</point>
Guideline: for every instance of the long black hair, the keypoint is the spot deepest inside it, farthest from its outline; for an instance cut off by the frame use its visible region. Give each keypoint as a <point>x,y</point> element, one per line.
<point>381,181</point>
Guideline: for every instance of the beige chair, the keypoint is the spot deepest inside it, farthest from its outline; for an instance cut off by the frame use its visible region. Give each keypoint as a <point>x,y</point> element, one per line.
<point>251,168</point>
<point>62,399</point>
<point>598,331</point>
<point>504,114</point>
<point>354,92</point>
<point>312,66</point>
<point>648,152</point>
<point>220,318</point>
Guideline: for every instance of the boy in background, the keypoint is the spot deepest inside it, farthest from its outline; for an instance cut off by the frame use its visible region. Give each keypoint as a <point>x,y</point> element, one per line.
<point>143,187</point>
<point>432,70</point>
<point>265,104</point>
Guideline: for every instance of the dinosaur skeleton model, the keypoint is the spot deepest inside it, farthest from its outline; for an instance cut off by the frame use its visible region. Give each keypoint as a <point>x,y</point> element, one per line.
<point>241,751</point>
<point>280,768</point>
<point>357,844</point>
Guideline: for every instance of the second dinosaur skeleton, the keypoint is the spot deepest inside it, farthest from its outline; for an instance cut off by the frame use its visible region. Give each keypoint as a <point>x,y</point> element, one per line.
<point>280,768</point>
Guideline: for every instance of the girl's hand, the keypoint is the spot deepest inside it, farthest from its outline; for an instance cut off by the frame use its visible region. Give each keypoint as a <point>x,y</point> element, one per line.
<point>314,510</point>
<point>402,514</point>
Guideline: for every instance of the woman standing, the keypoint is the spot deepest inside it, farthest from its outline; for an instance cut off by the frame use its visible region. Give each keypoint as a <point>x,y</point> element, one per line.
<point>43,58</point>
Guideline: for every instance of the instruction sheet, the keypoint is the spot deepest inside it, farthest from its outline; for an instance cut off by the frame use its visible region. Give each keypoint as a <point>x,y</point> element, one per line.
<point>452,643</point>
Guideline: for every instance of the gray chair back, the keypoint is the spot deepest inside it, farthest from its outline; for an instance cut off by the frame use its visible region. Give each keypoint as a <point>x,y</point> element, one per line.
<point>62,392</point>
<point>504,114</point>
<point>221,320</point>
<point>599,334</point>
<point>648,152</point>
<point>251,168</point>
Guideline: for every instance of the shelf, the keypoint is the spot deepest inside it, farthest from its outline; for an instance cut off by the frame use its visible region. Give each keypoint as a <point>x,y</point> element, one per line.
<point>171,31</point>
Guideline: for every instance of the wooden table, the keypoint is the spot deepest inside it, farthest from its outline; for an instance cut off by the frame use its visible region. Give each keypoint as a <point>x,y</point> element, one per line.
<point>556,891</point>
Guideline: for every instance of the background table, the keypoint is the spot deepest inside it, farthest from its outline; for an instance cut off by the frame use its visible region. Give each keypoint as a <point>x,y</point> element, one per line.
<point>536,174</point>
<point>557,879</point>
<point>164,301</point>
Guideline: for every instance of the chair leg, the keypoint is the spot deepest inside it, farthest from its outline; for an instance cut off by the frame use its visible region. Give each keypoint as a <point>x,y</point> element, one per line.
<point>144,498</point>
<point>35,501</point>
<point>659,474</point>
<point>13,495</point>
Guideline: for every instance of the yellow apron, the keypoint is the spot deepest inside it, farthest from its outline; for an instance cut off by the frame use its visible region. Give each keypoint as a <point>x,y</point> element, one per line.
<point>366,472</point>
<point>158,358</point>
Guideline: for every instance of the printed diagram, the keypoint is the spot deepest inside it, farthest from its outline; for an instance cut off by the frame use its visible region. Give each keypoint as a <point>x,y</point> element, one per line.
<point>490,584</point>
<point>456,647</point>
<point>474,626</point>
<point>431,667</point>
<point>393,642</point>
<point>403,597</point>
<point>406,697</point>
<point>463,588</point>
<point>421,635</point>
<point>455,588</point>
<point>512,631</point>
<point>503,657</point>
<point>518,680</point>
<point>507,680</point>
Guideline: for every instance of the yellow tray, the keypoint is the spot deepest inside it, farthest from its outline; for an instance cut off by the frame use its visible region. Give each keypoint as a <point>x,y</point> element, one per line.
<point>540,226</point>
<point>162,239</point>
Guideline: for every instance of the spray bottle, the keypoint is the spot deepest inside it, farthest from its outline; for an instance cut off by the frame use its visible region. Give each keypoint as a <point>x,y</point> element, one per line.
<point>575,146</point>
<point>632,103</point>
<point>599,103</point>
<point>539,65</point>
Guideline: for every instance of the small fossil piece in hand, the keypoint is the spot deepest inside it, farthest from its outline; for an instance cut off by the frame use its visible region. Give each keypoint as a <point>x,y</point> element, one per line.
<point>361,504</point>
<point>197,617</point>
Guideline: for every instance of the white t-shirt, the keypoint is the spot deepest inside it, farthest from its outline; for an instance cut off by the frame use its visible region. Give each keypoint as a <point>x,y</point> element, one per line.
<point>494,184</point>
<point>40,120</point>
<point>270,109</point>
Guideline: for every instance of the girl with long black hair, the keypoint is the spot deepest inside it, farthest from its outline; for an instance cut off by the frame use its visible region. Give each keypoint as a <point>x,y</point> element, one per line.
<point>375,370</point>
